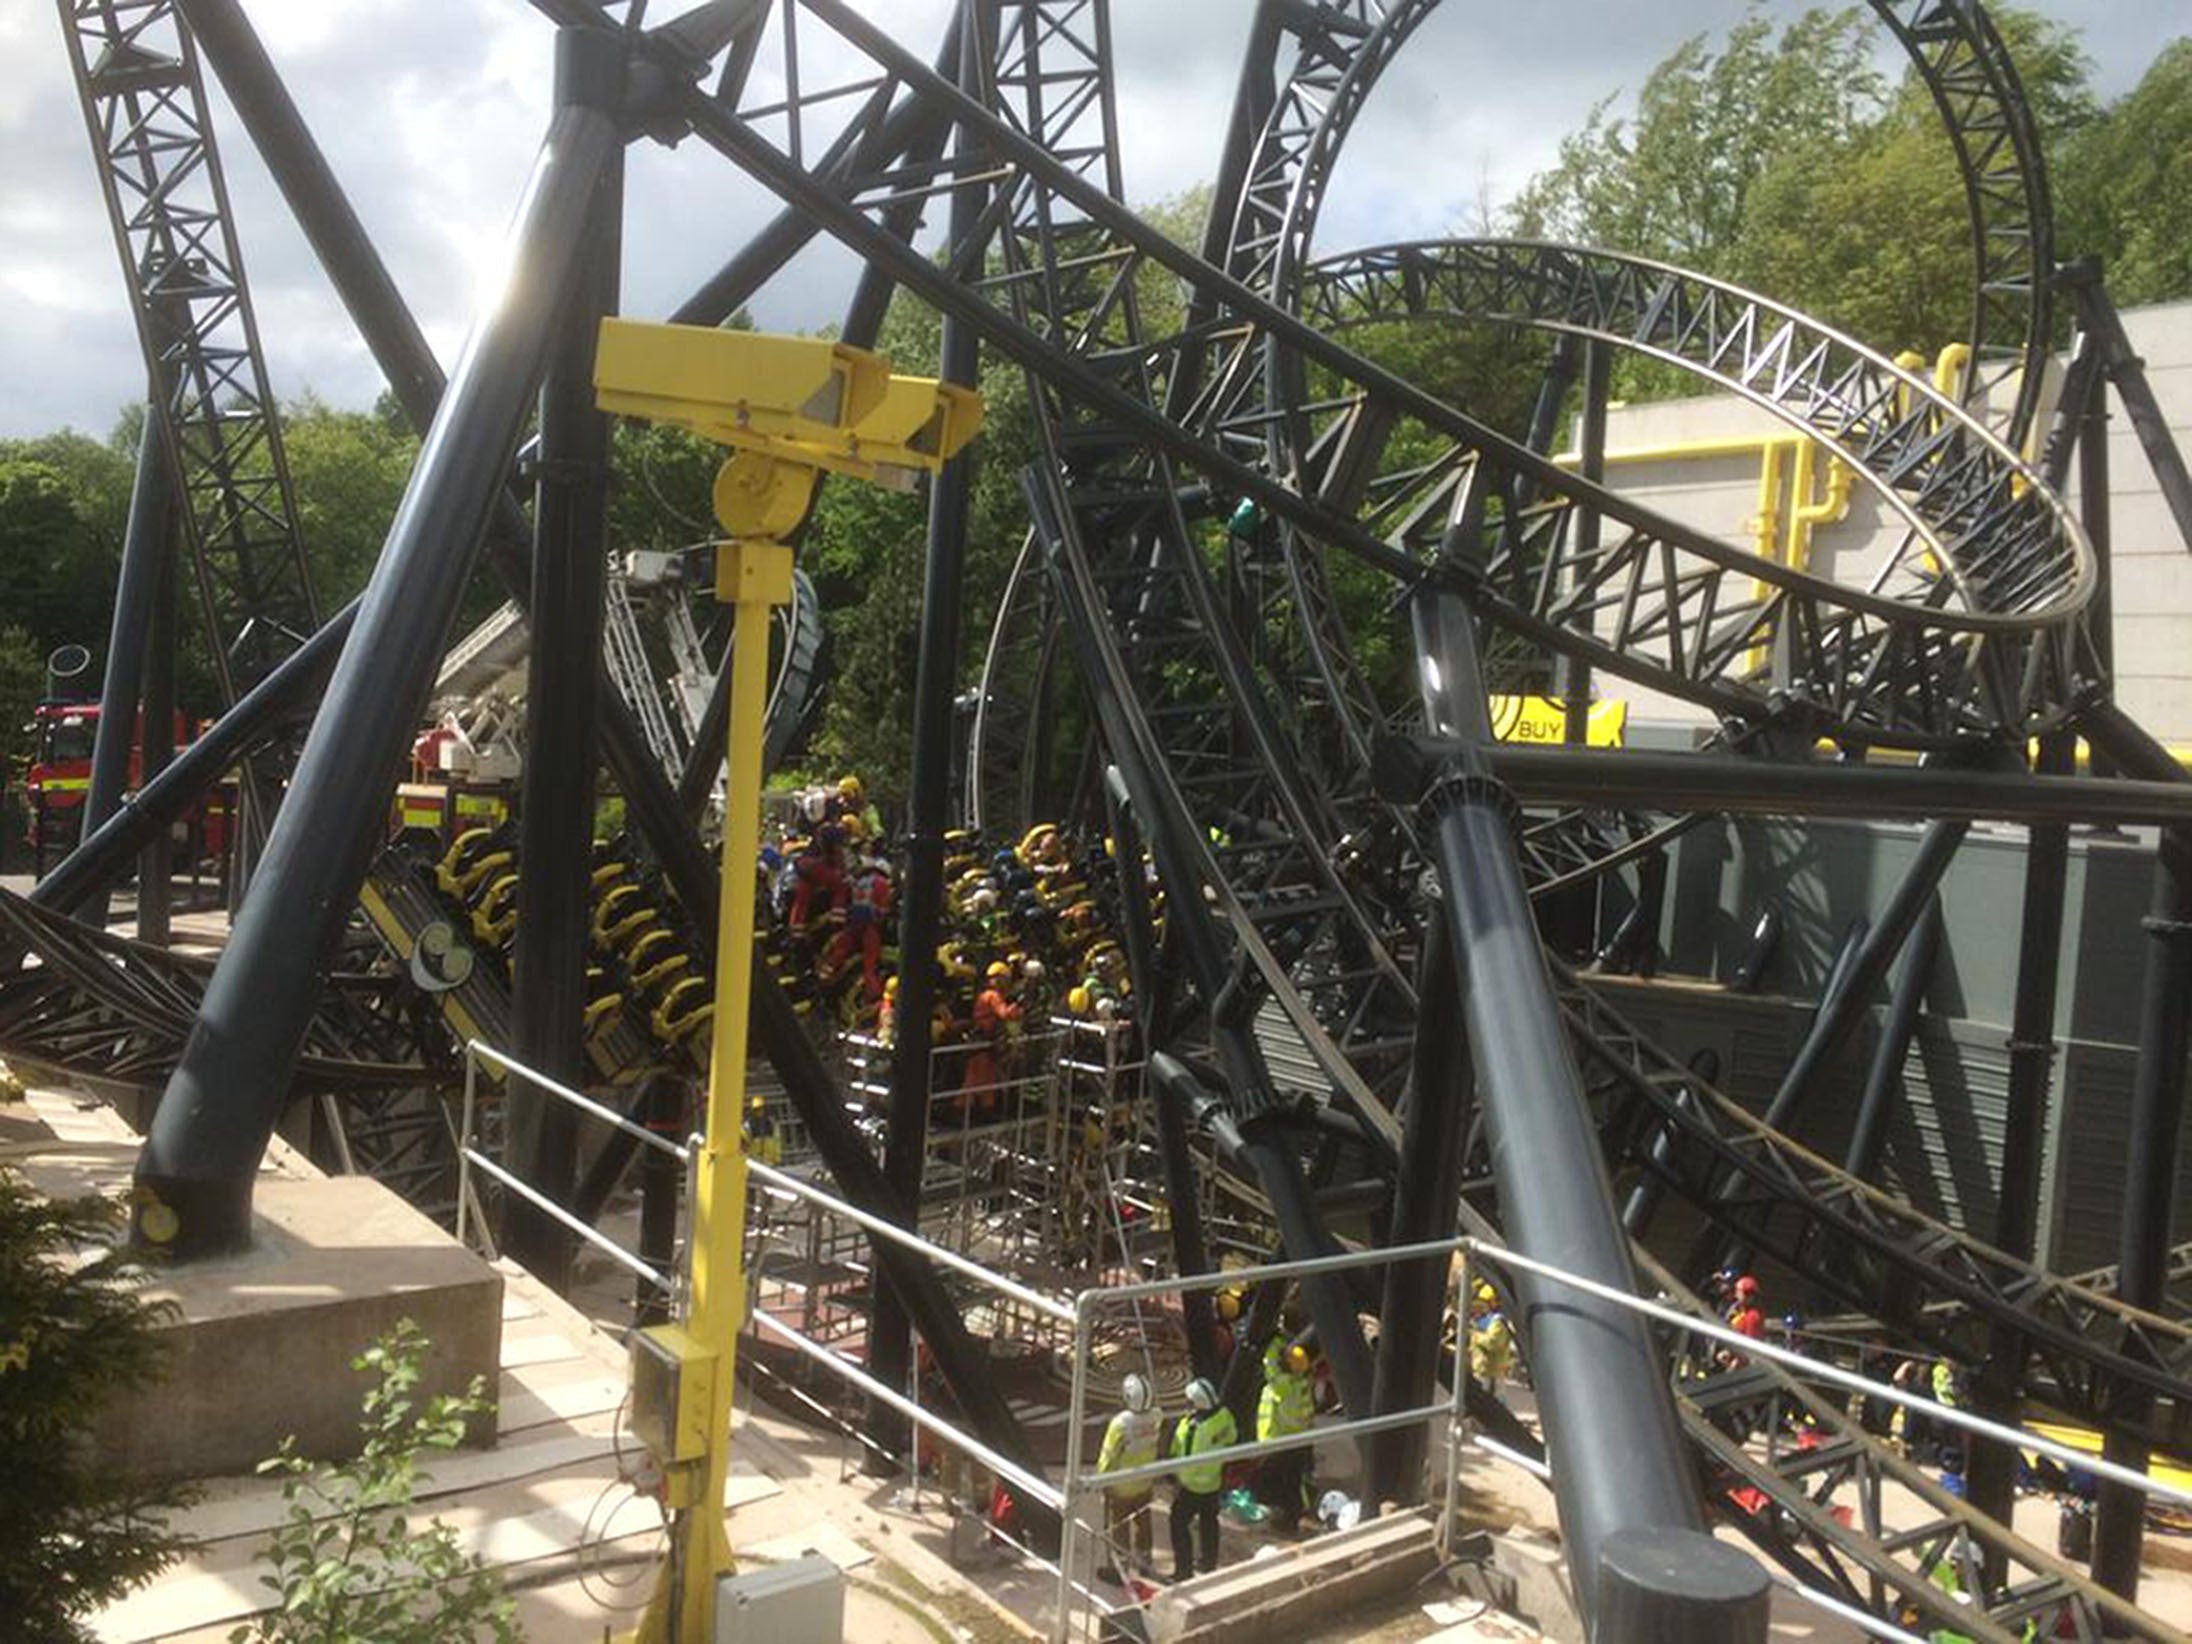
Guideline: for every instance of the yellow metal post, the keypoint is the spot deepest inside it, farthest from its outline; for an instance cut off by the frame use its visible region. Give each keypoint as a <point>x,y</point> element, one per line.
<point>790,409</point>
<point>754,577</point>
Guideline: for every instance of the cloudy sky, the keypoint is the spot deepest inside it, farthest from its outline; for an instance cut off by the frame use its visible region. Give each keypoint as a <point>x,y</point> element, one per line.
<point>430,110</point>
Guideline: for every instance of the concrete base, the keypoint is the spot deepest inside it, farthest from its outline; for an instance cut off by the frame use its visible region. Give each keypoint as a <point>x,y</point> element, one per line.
<point>1292,1590</point>
<point>261,1346</point>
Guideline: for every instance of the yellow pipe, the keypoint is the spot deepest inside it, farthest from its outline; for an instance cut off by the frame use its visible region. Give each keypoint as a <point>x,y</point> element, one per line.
<point>1778,489</point>
<point>1807,515</point>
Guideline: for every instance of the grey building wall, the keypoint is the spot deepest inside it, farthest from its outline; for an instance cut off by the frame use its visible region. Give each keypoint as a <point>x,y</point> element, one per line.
<point>1945,1141</point>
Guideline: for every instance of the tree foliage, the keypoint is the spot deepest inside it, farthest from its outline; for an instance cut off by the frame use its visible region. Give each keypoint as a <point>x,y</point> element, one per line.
<point>22,680</point>
<point>1784,162</point>
<point>74,1332</point>
<point>2126,185</point>
<point>348,470</point>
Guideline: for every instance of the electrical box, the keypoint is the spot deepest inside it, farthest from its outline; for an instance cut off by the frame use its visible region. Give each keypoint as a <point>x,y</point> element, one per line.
<point>673,1387</point>
<point>802,1602</point>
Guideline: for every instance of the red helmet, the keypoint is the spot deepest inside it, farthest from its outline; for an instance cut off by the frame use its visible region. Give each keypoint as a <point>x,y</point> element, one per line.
<point>1746,1287</point>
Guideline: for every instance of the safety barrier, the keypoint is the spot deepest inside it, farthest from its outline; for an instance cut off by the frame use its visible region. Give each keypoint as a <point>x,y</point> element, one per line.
<point>1078,1609</point>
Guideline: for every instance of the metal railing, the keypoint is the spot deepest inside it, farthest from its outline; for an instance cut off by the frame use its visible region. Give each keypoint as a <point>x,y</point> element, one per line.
<point>470,1158</point>
<point>1079,1487</point>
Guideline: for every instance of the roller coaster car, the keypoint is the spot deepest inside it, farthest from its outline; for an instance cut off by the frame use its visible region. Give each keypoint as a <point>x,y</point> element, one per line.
<point>615,905</point>
<point>495,912</point>
<point>657,979</point>
<point>683,1011</point>
<point>650,949</point>
<point>617,931</point>
<point>600,1015</point>
<point>469,855</point>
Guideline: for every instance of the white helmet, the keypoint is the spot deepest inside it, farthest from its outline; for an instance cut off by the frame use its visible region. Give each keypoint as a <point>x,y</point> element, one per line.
<point>1201,1395</point>
<point>1135,1391</point>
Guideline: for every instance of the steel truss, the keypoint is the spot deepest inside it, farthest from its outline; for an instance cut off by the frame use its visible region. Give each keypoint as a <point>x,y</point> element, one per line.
<point>1295,905</point>
<point>104,1008</point>
<point>159,170</point>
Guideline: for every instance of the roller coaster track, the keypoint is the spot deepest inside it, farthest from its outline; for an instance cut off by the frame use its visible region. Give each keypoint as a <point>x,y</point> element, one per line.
<point>1163,658</point>
<point>105,1009</point>
<point>144,102</point>
<point>1929,464</point>
<point>1846,1514</point>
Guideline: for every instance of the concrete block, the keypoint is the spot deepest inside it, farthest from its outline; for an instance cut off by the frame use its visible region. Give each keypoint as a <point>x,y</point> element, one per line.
<point>1290,1590</point>
<point>262,1344</point>
<point>1533,1576</point>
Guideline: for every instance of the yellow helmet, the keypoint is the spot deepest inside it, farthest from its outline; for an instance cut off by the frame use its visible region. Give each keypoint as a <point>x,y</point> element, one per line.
<point>757,1104</point>
<point>1080,1001</point>
<point>849,789</point>
<point>1297,1359</point>
<point>998,971</point>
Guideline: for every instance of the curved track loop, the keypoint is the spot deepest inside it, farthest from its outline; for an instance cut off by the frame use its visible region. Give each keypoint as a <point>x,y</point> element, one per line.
<point>1332,55</point>
<point>1979,529</point>
<point>1117,549</point>
<point>1956,50</point>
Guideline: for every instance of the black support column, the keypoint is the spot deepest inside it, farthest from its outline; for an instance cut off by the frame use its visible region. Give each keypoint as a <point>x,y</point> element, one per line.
<point>1601,1382</point>
<point>1841,1009</point>
<point>1991,1477</point>
<point>2150,1177</point>
<point>928,803</point>
<point>156,864</point>
<point>146,548</point>
<point>1425,1197</point>
<point>1884,1078</point>
<point>227,1092</point>
<point>1153,1014</point>
<point>556,814</point>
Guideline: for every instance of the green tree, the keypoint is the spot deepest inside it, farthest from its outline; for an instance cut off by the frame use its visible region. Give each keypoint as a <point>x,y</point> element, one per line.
<point>347,470</point>
<point>22,681</point>
<point>1787,164</point>
<point>74,1332</point>
<point>2126,185</point>
<point>1674,180</point>
<point>1872,234</point>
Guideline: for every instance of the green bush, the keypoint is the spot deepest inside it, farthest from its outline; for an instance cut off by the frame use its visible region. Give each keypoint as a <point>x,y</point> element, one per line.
<point>74,1331</point>
<point>347,1563</point>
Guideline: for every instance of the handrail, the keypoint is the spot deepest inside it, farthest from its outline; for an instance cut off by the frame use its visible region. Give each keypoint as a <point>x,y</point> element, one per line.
<point>608,1115</point>
<point>883,1228</point>
<point>547,1206</point>
<point>1947,1415</point>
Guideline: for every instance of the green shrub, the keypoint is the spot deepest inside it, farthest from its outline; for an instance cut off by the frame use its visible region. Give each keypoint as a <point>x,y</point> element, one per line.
<point>347,1563</point>
<point>74,1331</point>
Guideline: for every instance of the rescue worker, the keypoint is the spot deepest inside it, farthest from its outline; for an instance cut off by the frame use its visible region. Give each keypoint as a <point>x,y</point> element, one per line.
<point>762,1141</point>
<point>1285,1408</point>
<point>1748,1318</point>
<point>1208,1425</point>
<point>1491,1349</point>
<point>1130,1441</point>
<point>995,1016</point>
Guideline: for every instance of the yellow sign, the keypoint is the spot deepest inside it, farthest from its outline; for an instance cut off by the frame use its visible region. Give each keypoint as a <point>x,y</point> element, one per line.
<point>1545,719</point>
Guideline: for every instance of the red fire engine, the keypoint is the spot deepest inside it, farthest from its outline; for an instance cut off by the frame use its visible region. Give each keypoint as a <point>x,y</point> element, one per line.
<point>59,781</point>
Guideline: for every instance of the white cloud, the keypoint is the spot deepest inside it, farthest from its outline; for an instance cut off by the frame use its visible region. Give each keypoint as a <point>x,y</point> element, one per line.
<point>430,111</point>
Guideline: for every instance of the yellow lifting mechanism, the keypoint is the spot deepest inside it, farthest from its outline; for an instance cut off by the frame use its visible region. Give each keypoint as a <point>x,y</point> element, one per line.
<point>789,409</point>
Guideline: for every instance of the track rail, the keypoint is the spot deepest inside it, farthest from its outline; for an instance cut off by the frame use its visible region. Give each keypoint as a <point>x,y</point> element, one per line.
<point>144,103</point>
